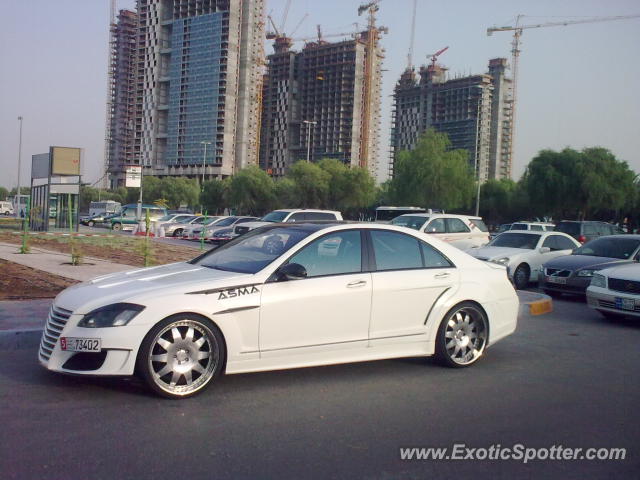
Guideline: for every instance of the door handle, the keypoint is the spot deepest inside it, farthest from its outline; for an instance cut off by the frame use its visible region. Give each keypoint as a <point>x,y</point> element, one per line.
<point>356,284</point>
<point>442,275</point>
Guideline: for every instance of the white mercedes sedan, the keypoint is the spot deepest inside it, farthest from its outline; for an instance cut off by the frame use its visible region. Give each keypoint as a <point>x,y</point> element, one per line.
<point>524,252</point>
<point>282,296</point>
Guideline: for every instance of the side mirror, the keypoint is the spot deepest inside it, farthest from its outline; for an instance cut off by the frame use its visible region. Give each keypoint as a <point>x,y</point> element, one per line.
<point>291,271</point>
<point>544,250</point>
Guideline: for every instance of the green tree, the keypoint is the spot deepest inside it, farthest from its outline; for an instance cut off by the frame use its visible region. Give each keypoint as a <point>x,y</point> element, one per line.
<point>4,193</point>
<point>178,191</point>
<point>286,193</point>
<point>251,191</point>
<point>432,175</point>
<point>311,184</point>
<point>496,200</point>
<point>348,188</point>
<point>213,195</point>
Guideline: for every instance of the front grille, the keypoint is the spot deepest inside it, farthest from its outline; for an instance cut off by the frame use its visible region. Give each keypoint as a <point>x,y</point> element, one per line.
<point>606,304</point>
<point>56,320</point>
<point>627,286</point>
<point>241,230</point>
<point>556,272</point>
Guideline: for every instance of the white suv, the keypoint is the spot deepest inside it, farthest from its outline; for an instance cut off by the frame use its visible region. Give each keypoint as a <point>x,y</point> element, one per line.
<point>460,231</point>
<point>288,216</point>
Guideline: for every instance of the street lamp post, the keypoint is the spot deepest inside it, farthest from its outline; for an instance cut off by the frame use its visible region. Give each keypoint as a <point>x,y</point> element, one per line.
<point>309,123</point>
<point>204,161</point>
<point>18,203</point>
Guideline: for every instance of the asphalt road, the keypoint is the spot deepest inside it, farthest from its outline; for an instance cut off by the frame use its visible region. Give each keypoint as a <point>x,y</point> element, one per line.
<point>567,378</point>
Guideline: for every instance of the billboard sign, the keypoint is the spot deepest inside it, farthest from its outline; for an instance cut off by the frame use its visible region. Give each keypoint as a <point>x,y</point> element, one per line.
<point>65,160</point>
<point>133,176</point>
<point>40,165</point>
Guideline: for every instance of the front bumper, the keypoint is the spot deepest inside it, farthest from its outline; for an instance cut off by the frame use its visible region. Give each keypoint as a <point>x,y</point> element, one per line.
<point>604,299</point>
<point>574,285</point>
<point>118,350</point>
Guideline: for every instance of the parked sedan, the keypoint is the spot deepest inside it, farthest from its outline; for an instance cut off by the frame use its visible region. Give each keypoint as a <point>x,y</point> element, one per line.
<point>175,228</point>
<point>523,252</point>
<point>572,273</point>
<point>194,231</point>
<point>615,291</point>
<point>222,236</point>
<point>211,230</point>
<point>283,296</point>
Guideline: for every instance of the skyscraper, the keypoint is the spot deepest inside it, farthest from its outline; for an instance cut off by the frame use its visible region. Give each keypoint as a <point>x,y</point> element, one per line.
<point>197,87</point>
<point>322,102</point>
<point>474,111</point>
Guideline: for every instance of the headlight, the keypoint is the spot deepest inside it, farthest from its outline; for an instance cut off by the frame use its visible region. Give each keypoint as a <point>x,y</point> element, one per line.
<point>598,280</point>
<point>115,315</point>
<point>585,273</point>
<point>501,261</point>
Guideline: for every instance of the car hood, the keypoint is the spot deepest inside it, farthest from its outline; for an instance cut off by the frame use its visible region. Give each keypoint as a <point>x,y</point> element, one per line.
<point>146,283</point>
<point>493,253</point>
<point>577,262</point>
<point>625,271</point>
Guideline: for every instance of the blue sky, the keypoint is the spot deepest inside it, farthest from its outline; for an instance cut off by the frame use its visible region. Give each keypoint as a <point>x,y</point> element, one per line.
<point>577,85</point>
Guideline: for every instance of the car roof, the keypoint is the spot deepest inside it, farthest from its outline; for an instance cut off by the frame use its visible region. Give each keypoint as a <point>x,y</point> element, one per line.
<point>439,215</point>
<point>291,210</point>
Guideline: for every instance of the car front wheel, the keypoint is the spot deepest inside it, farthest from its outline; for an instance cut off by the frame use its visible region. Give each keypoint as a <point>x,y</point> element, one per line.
<point>521,277</point>
<point>181,355</point>
<point>117,227</point>
<point>462,336</point>
<point>177,233</point>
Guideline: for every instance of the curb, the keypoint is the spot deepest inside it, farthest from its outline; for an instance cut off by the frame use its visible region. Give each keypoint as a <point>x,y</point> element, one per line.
<point>20,339</point>
<point>534,304</point>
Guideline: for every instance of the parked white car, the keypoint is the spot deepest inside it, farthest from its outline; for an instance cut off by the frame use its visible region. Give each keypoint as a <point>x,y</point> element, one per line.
<point>6,208</point>
<point>533,226</point>
<point>460,231</point>
<point>524,252</point>
<point>194,230</point>
<point>615,291</point>
<point>211,230</point>
<point>282,296</point>
<point>288,216</point>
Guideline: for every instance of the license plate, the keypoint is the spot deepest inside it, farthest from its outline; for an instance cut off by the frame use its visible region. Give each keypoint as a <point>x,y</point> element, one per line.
<point>75,344</point>
<point>625,303</point>
<point>558,280</point>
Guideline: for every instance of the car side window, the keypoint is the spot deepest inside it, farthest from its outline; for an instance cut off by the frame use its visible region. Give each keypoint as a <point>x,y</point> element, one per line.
<point>551,243</point>
<point>319,216</point>
<point>455,225</point>
<point>436,226</point>
<point>297,217</point>
<point>395,251</point>
<point>333,254</point>
<point>537,228</point>
<point>245,220</point>
<point>432,258</point>
<point>590,229</point>
<point>564,243</point>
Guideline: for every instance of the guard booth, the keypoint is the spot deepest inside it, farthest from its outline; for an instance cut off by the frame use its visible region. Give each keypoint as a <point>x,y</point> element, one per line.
<point>55,189</point>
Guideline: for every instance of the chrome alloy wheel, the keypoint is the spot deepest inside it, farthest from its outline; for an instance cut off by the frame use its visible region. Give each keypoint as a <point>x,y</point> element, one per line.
<point>465,336</point>
<point>183,358</point>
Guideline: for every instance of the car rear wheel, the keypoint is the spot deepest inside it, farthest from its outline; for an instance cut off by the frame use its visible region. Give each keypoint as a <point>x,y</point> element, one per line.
<point>181,355</point>
<point>521,277</point>
<point>462,336</point>
<point>91,223</point>
<point>117,226</point>
<point>178,232</point>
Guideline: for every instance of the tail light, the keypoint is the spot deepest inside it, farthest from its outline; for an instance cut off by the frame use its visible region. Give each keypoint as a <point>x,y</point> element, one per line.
<point>582,239</point>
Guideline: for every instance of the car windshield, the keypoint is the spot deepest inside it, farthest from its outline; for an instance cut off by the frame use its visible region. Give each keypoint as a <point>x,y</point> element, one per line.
<point>410,221</point>
<point>167,218</point>
<point>504,227</point>
<point>253,251</point>
<point>276,216</point>
<point>516,240</point>
<point>610,247</point>
<point>211,220</point>
<point>519,226</point>
<point>185,219</point>
<point>479,224</point>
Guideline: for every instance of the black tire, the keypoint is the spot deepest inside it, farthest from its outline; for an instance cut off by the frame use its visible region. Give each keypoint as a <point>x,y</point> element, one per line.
<point>454,339</point>
<point>91,223</point>
<point>161,352</point>
<point>521,276</point>
<point>177,232</point>
<point>117,227</point>
<point>552,293</point>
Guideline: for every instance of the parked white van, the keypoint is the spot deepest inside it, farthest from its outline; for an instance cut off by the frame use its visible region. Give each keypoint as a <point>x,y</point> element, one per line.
<point>460,231</point>
<point>6,208</point>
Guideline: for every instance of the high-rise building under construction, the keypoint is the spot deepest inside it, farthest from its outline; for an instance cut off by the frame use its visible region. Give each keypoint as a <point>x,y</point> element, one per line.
<point>322,102</point>
<point>475,112</point>
<point>185,80</point>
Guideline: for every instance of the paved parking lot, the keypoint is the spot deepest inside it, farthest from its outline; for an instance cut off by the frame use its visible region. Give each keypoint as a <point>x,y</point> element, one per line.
<point>565,378</point>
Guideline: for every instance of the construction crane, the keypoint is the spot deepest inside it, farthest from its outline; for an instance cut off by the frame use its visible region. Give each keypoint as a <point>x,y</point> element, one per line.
<point>434,57</point>
<point>412,37</point>
<point>517,30</point>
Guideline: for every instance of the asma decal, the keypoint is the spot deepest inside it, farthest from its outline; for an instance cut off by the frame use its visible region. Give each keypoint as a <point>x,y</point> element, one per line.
<point>237,292</point>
